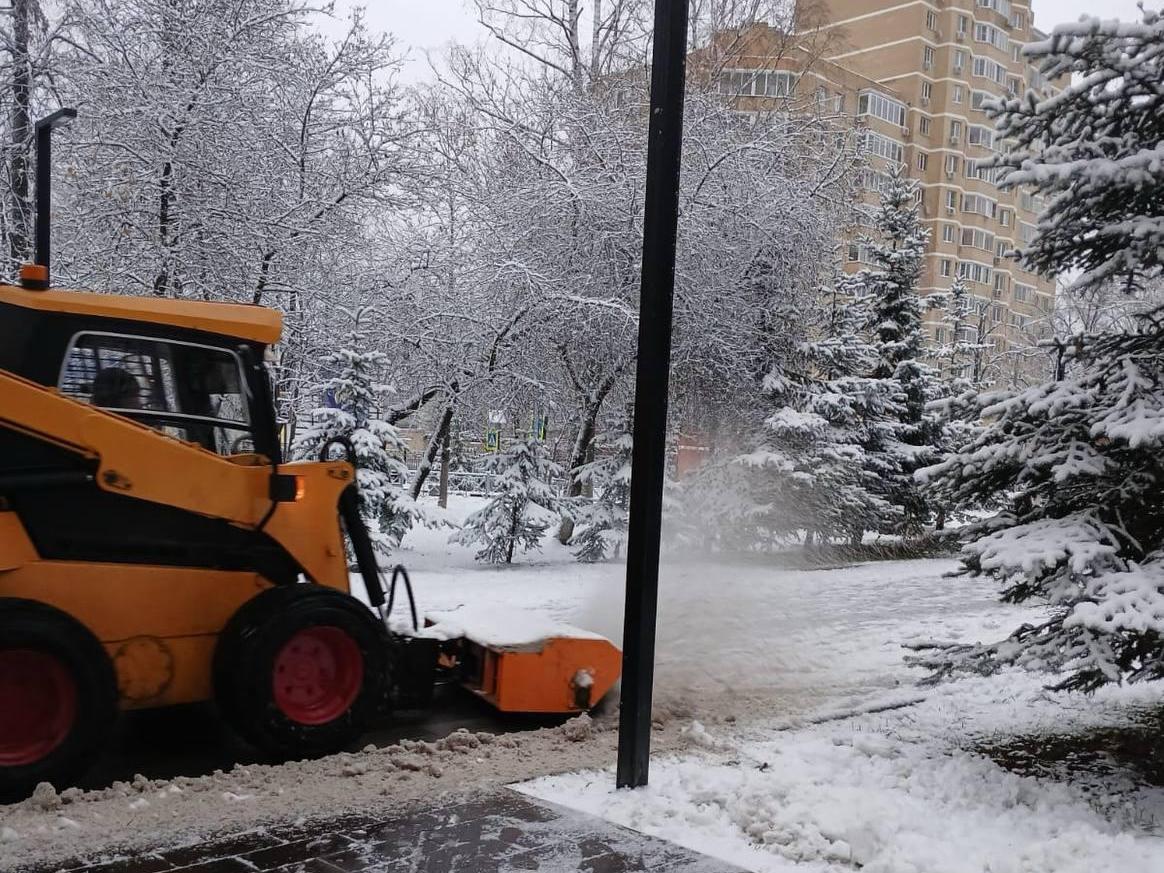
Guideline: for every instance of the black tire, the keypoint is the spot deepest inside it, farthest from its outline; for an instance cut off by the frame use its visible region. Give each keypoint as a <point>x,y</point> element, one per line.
<point>258,636</point>
<point>36,635</point>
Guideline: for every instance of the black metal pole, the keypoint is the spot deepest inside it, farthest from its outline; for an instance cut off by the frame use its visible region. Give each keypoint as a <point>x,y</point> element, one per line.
<point>660,218</point>
<point>44,183</point>
<point>44,194</point>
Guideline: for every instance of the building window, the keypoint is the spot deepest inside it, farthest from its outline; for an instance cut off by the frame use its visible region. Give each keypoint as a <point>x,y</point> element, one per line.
<point>951,200</point>
<point>959,60</point>
<point>955,131</point>
<point>980,136</point>
<point>978,99</point>
<point>947,233</point>
<point>1000,249</point>
<point>872,181</point>
<point>1018,20</point>
<point>882,146</point>
<point>988,33</point>
<point>922,161</point>
<point>963,25</point>
<point>932,20</point>
<point>755,83</point>
<point>1027,231</point>
<point>972,271</point>
<point>923,125</point>
<point>979,205</point>
<point>880,106</point>
<point>985,68</point>
<point>945,267</point>
<point>1023,293</point>
<point>977,170</point>
<point>1004,217</point>
<point>1002,7</point>
<point>928,57</point>
<point>927,90</point>
<point>958,91</point>
<point>861,254</point>
<point>951,164</point>
<point>977,239</point>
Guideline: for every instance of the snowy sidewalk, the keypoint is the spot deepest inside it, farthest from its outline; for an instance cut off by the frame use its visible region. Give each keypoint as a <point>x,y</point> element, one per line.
<point>496,832</point>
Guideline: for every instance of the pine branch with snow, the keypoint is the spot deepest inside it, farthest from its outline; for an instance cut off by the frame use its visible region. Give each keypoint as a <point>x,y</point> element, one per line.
<point>1094,150</point>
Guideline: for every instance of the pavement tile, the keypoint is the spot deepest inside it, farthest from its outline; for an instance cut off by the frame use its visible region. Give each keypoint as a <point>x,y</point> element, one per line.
<point>498,833</point>
<point>217,865</point>
<point>188,856</point>
<point>138,864</point>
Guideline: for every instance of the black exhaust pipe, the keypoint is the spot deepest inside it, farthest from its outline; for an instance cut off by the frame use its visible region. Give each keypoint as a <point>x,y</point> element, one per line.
<point>44,190</point>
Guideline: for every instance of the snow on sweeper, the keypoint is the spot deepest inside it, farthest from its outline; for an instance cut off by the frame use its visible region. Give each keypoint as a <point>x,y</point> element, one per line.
<point>155,548</point>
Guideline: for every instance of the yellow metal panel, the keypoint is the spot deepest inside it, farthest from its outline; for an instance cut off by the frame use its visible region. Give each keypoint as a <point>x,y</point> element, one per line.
<point>254,323</point>
<point>142,463</point>
<point>120,601</point>
<point>16,549</point>
<point>159,624</point>
<point>191,679</point>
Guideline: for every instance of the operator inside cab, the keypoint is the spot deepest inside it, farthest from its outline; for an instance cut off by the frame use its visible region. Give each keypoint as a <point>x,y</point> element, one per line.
<point>191,392</point>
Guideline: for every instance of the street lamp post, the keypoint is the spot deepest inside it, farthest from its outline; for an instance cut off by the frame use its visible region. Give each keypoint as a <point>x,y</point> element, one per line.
<point>660,218</point>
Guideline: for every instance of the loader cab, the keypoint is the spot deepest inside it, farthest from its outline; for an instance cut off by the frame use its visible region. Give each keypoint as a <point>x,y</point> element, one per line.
<point>191,370</point>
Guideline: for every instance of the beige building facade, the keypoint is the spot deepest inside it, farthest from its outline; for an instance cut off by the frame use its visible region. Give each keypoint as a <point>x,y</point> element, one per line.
<point>914,76</point>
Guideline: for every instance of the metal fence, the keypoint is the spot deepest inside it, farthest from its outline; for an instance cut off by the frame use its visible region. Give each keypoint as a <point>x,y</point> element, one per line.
<point>471,483</point>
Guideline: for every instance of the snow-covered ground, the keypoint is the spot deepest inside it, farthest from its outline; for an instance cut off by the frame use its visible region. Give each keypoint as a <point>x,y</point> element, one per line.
<point>790,735</point>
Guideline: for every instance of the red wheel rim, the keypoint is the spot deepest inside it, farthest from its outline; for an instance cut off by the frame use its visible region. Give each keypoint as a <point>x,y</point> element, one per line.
<point>38,705</point>
<point>318,675</point>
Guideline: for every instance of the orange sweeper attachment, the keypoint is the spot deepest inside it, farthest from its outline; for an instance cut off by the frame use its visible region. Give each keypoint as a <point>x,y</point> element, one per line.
<point>155,548</point>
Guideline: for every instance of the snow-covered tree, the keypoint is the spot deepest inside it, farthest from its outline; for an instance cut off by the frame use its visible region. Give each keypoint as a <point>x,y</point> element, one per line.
<point>522,507</point>
<point>351,412</point>
<point>601,522</point>
<point>811,461</point>
<point>1076,462</point>
<point>903,440</point>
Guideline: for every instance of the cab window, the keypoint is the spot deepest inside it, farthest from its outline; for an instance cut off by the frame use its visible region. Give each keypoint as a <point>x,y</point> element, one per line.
<point>191,392</point>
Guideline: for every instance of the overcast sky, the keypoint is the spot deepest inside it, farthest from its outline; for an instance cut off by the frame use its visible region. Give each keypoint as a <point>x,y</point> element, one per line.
<point>430,24</point>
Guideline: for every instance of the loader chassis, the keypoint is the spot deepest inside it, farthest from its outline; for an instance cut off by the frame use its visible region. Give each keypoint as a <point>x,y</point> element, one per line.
<point>156,550</point>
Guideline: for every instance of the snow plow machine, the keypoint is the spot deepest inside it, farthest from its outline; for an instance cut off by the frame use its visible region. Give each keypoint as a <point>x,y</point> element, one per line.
<point>155,549</point>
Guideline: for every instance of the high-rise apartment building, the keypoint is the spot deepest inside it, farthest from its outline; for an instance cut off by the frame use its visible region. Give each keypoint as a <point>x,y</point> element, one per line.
<point>915,76</point>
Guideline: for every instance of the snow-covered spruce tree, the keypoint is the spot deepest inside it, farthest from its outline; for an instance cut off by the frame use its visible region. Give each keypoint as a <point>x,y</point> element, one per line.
<point>904,439</point>
<point>523,505</point>
<point>351,412</point>
<point>811,460</point>
<point>601,523</point>
<point>957,355</point>
<point>1077,461</point>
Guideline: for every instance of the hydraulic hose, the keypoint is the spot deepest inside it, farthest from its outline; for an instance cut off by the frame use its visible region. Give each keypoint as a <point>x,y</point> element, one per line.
<point>399,572</point>
<point>349,506</point>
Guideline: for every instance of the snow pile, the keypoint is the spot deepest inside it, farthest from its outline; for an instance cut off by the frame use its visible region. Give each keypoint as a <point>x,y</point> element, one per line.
<point>886,793</point>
